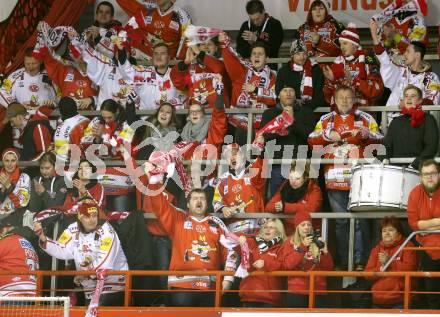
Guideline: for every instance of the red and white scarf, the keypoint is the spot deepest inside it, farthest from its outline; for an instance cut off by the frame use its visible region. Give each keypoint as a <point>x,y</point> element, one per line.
<point>92,310</point>
<point>340,62</point>
<point>306,81</point>
<point>199,34</point>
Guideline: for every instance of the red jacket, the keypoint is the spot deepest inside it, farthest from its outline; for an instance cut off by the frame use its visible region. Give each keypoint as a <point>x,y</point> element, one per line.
<point>405,261</point>
<point>311,202</point>
<point>423,207</point>
<point>263,285</point>
<point>294,260</point>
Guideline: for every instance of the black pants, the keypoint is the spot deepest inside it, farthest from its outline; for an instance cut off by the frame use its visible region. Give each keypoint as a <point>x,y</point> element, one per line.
<point>110,299</point>
<point>431,284</point>
<point>302,301</point>
<point>192,299</point>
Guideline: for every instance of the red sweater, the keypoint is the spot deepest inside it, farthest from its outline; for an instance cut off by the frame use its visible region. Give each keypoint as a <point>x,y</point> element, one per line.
<point>423,207</point>
<point>294,260</point>
<point>311,202</point>
<point>405,261</point>
<point>261,285</point>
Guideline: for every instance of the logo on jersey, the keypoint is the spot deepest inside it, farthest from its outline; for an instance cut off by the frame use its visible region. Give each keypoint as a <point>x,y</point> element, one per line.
<point>159,24</point>
<point>34,88</point>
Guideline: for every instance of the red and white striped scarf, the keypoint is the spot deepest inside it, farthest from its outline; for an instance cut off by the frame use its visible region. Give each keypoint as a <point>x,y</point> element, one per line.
<point>92,310</point>
<point>306,81</point>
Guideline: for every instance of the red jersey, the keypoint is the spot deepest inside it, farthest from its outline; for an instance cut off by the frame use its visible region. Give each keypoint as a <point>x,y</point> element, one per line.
<point>329,32</point>
<point>157,27</point>
<point>69,80</point>
<point>16,253</point>
<point>339,176</point>
<point>200,81</point>
<point>195,242</point>
<point>241,72</point>
<point>244,191</point>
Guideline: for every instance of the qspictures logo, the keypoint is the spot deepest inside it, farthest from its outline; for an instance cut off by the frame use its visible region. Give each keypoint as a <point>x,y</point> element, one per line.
<point>341,5</point>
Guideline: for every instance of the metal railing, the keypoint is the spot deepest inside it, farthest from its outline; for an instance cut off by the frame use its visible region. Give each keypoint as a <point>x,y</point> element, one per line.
<point>311,275</point>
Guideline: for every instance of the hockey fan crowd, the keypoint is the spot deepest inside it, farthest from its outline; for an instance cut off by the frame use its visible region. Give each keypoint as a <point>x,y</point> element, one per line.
<point>163,144</point>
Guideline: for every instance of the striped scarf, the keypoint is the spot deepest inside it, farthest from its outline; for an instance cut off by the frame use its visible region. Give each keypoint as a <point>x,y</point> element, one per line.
<point>264,245</point>
<point>306,82</point>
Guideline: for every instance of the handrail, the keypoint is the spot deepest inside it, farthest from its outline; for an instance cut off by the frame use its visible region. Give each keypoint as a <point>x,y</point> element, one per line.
<point>391,259</point>
<point>314,215</point>
<point>407,275</point>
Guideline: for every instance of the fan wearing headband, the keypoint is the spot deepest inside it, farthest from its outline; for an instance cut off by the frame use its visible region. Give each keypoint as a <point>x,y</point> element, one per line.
<point>93,244</point>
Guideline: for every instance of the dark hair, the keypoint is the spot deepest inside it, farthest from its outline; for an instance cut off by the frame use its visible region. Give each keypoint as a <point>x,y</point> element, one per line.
<point>316,3</point>
<point>49,157</point>
<point>419,47</point>
<point>254,6</point>
<point>393,222</point>
<point>417,89</point>
<point>108,4</point>
<point>92,182</point>
<point>260,44</point>
<point>154,119</point>
<point>115,108</point>
<point>196,191</point>
<point>28,52</point>
<point>429,162</point>
<point>160,44</point>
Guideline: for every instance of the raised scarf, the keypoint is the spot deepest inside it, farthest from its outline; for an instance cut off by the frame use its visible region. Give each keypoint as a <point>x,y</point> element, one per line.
<point>338,66</point>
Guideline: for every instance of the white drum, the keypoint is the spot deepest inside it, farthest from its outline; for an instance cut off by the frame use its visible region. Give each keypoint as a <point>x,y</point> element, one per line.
<point>381,187</point>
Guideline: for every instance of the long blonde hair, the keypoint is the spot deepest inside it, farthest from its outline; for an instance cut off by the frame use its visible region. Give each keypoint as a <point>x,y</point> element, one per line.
<point>313,248</point>
<point>278,225</point>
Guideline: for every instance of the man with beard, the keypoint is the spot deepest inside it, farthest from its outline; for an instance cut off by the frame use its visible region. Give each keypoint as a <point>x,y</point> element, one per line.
<point>424,214</point>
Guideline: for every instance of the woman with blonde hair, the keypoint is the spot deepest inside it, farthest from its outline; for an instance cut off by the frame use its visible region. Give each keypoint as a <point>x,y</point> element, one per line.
<point>305,251</point>
<point>265,255</point>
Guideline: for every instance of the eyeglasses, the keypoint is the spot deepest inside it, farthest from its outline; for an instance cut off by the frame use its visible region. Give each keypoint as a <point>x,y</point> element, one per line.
<point>432,174</point>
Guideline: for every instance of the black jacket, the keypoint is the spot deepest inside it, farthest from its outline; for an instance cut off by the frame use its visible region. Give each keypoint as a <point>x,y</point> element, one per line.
<point>293,78</point>
<point>403,140</point>
<point>272,35</point>
<point>135,240</point>
<point>299,131</point>
<point>55,193</point>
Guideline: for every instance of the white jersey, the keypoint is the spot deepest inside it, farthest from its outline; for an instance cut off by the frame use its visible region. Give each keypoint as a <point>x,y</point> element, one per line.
<point>18,198</point>
<point>63,135</point>
<point>152,87</point>
<point>27,90</point>
<point>100,249</point>
<point>396,78</point>
<point>103,72</point>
